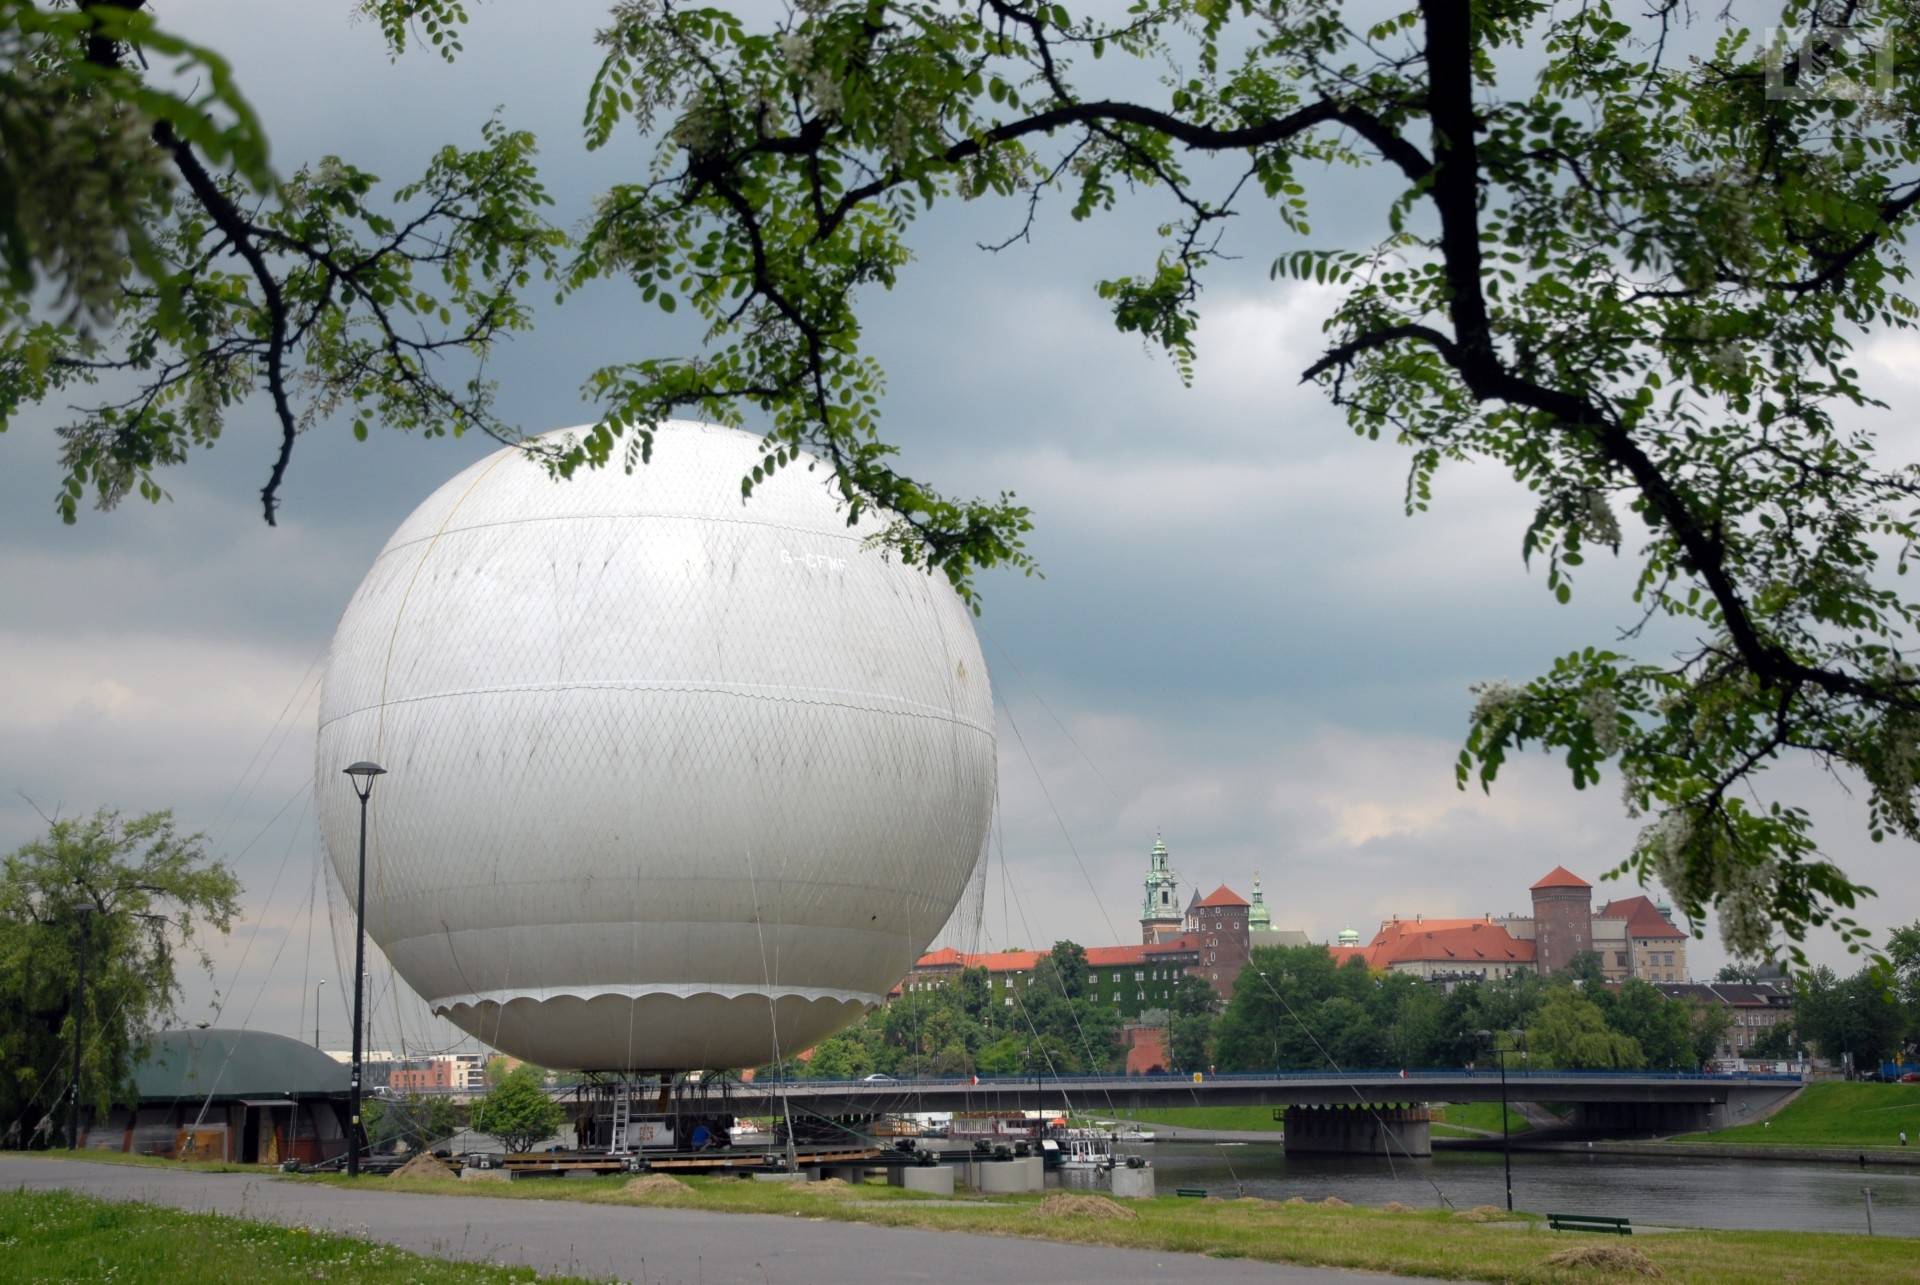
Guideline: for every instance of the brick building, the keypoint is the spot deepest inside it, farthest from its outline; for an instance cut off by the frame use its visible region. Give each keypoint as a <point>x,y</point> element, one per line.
<point>1633,936</point>
<point>1218,922</point>
<point>1562,918</point>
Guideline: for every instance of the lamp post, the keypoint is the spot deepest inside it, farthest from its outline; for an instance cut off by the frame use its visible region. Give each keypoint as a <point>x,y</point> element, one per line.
<point>1506,1136</point>
<point>362,774</point>
<point>316,1013</point>
<point>81,910</point>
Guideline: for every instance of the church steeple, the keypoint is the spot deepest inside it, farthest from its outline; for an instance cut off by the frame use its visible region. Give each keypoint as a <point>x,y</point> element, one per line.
<point>1160,915</point>
<point>1259,918</point>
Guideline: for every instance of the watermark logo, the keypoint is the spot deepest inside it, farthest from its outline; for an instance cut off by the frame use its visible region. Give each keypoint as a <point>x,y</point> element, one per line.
<point>1827,63</point>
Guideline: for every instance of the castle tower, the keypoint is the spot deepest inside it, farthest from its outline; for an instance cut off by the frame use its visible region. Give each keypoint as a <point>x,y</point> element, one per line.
<point>1562,919</point>
<point>1160,913</point>
<point>1259,918</point>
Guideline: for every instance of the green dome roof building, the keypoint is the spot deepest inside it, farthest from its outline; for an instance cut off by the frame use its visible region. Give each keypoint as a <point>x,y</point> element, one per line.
<point>1161,915</point>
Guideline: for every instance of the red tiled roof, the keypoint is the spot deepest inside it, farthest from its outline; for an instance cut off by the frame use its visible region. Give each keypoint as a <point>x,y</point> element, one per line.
<point>1223,896</point>
<point>1002,961</point>
<point>1561,877</point>
<point>1643,918</point>
<point>1463,943</point>
<point>1173,945</point>
<point>1115,956</point>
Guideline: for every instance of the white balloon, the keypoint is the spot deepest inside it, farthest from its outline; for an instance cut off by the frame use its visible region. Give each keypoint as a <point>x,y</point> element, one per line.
<point>670,776</point>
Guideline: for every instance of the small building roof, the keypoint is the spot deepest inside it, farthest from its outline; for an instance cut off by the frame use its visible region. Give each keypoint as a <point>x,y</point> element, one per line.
<point>234,1064</point>
<point>1643,918</point>
<point>1222,896</point>
<point>1560,877</point>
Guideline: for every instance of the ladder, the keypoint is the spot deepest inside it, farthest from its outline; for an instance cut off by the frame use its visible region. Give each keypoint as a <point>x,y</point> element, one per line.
<point>622,1114</point>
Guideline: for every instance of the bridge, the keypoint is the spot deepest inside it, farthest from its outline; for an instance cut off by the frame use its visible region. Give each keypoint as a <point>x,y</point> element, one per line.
<point>1366,1111</point>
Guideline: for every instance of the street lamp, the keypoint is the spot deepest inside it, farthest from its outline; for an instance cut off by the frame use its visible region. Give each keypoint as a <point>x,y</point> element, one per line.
<point>362,774</point>
<point>316,1013</point>
<point>1506,1137</point>
<point>81,910</point>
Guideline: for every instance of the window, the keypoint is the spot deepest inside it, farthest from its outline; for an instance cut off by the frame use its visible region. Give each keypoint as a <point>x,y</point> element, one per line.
<point>1140,995</point>
<point>1139,974</point>
<point>1116,997</point>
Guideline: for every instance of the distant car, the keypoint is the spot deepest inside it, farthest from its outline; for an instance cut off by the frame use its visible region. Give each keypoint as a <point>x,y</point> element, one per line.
<point>880,1079</point>
<point>1911,1077</point>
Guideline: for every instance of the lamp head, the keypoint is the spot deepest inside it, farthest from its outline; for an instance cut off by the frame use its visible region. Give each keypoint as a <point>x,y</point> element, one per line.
<point>363,773</point>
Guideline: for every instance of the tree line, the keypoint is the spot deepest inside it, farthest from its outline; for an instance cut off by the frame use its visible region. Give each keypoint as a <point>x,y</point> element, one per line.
<point>1292,1008</point>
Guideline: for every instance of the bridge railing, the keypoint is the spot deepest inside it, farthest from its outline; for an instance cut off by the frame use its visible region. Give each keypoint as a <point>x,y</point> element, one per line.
<point>1370,1075</point>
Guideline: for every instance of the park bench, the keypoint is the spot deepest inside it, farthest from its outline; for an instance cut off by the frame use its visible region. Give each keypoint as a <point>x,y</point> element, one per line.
<point>1589,1222</point>
<point>1198,1193</point>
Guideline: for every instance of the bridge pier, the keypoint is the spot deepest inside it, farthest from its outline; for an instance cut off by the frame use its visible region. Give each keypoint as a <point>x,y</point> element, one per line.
<point>1356,1130</point>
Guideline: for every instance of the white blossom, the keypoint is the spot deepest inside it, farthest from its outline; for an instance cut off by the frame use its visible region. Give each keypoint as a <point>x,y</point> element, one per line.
<point>1601,708</point>
<point>796,50</point>
<point>1746,906</point>
<point>1599,522</point>
<point>1493,699</point>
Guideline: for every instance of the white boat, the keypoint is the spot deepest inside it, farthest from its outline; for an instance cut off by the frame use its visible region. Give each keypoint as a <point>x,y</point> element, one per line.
<point>1086,1150</point>
<point>1135,1135</point>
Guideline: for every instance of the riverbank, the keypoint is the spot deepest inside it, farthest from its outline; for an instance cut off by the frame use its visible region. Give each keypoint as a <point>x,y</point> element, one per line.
<point>1899,1157</point>
<point>1830,1114</point>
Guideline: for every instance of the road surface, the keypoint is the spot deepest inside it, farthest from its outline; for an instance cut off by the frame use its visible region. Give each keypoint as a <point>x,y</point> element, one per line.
<point>656,1246</point>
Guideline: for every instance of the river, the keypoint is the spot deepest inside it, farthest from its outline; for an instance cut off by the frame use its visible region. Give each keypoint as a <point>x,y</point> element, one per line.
<point>1749,1194</point>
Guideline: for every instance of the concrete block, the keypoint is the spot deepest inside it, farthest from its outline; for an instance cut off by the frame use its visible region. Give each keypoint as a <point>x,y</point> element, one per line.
<point>934,1179</point>
<point>1133,1184</point>
<point>1036,1167</point>
<point>486,1175</point>
<point>1003,1177</point>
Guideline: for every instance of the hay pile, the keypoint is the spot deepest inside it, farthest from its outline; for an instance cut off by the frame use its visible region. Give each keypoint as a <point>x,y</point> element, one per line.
<point>1294,1200</point>
<point>826,1186</point>
<point>423,1166</point>
<point>1623,1260</point>
<point>655,1186</point>
<point>1481,1214</point>
<point>1066,1204</point>
<point>1334,1202</point>
<point>1395,1207</point>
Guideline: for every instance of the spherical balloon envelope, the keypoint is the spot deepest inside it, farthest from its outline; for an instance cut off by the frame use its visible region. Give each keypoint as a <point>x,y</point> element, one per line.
<point>672,780</point>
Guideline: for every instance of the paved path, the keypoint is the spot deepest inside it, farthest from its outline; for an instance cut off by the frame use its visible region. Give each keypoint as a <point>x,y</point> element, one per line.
<point>656,1246</point>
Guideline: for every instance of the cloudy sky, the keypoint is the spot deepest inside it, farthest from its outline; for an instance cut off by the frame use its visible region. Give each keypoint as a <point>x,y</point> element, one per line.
<point>1241,642</point>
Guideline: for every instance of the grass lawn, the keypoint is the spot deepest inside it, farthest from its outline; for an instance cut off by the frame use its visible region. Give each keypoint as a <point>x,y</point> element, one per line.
<point>1424,1242</point>
<point>59,1236</point>
<point>1240,1119</point>
<point>1462,1118</point>
<point>1833,1114</point>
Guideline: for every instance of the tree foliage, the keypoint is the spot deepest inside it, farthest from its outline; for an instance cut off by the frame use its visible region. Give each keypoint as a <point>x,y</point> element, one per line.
<point>190,277</point>
<point>1634,283</point>
<point>1570,1031</point>
<point>135,896</point>
<point>518,1110</point>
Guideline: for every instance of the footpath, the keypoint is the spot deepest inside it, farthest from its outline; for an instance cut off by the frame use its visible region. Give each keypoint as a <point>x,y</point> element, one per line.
<point>653,1245</point>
